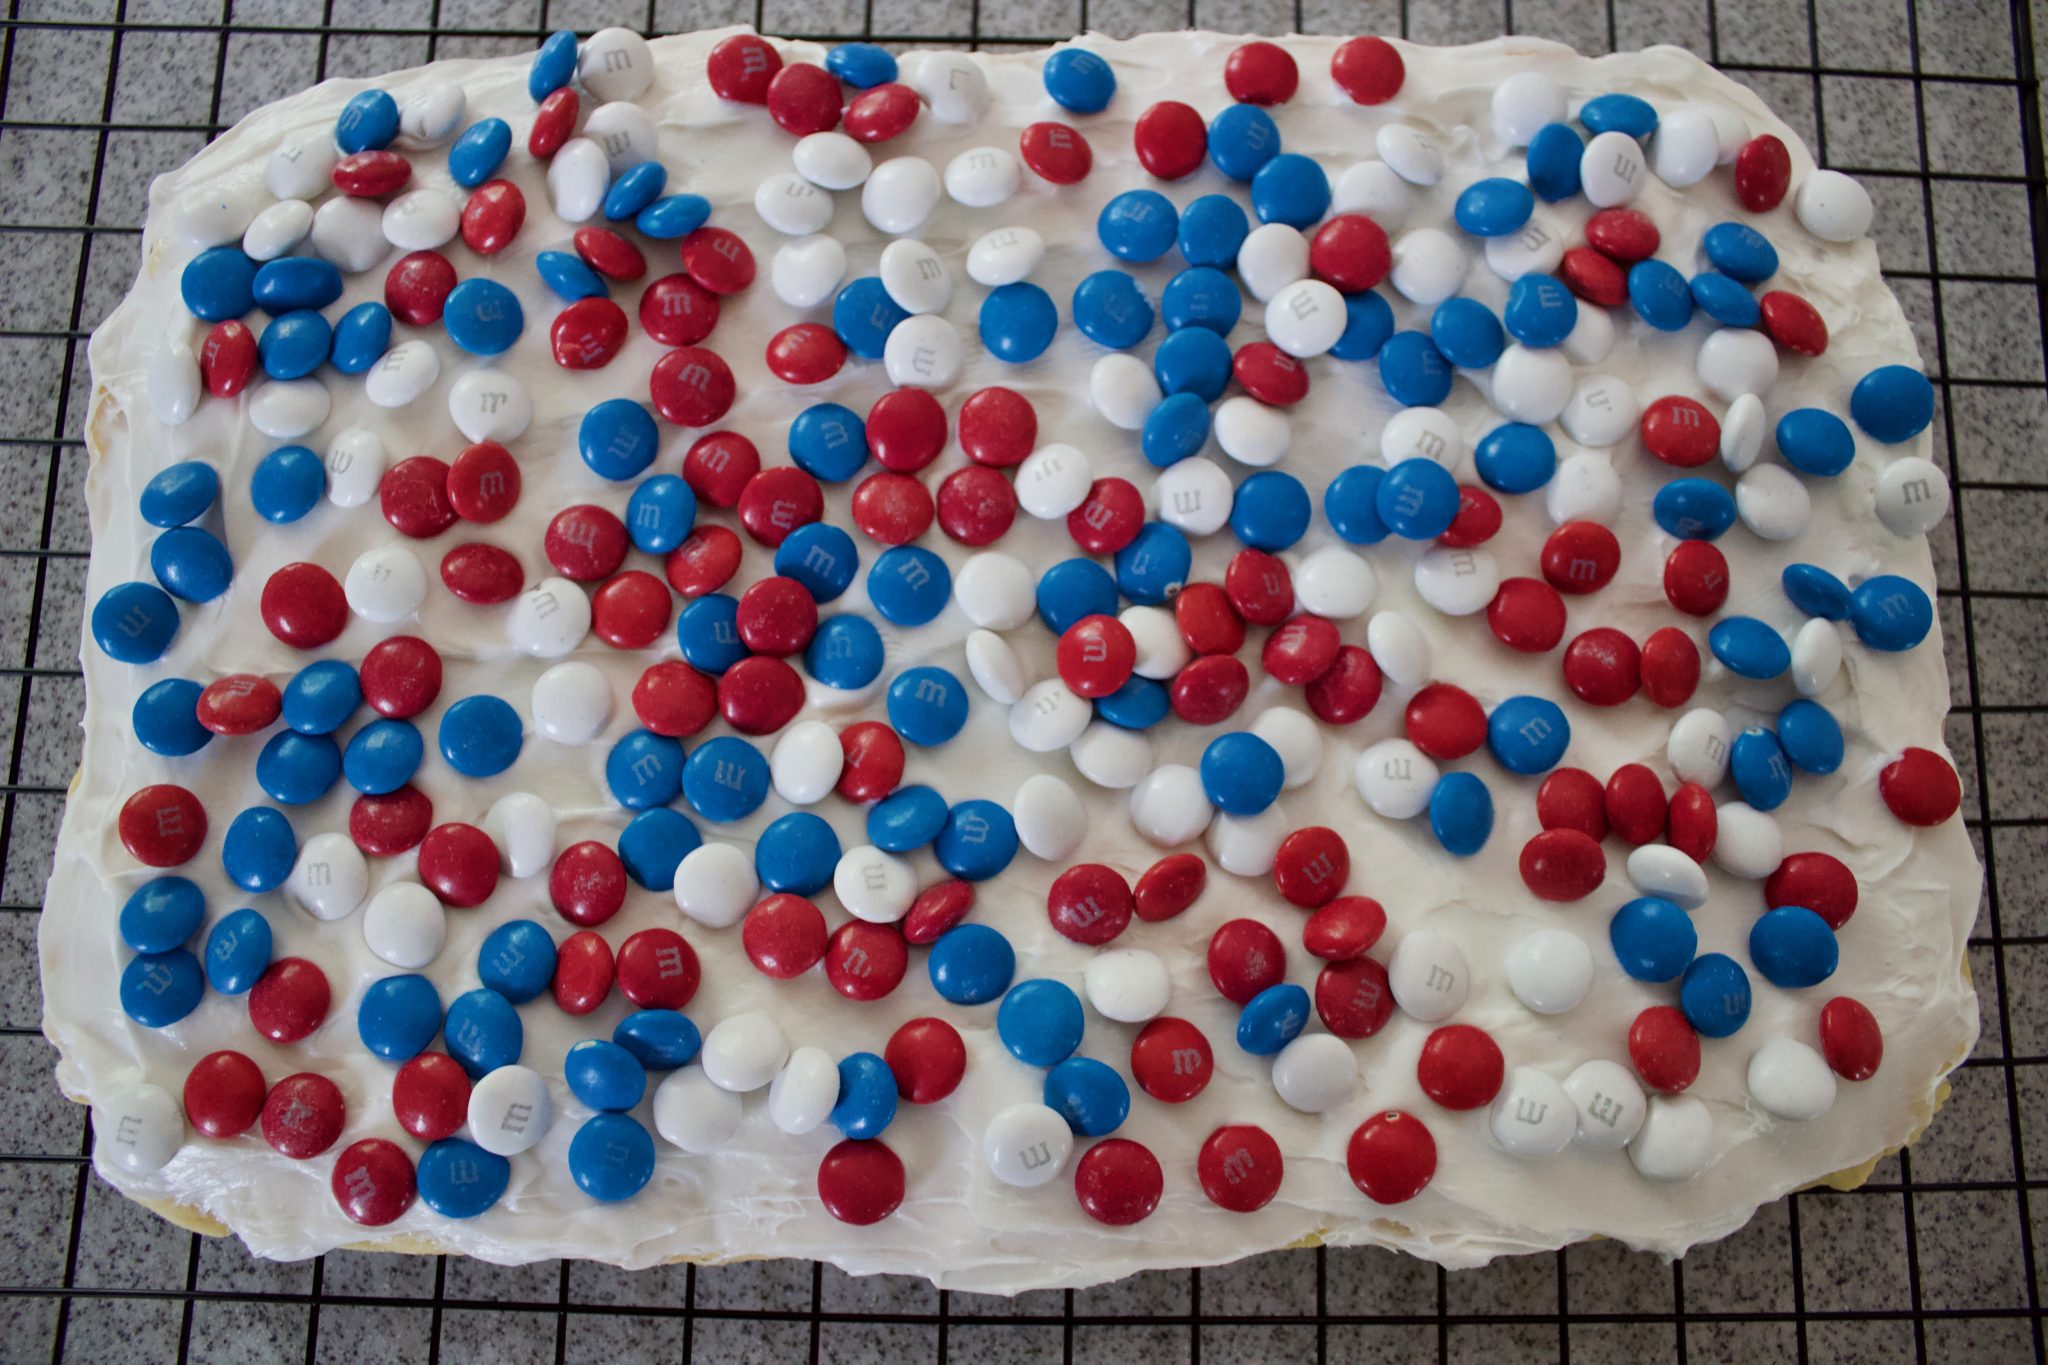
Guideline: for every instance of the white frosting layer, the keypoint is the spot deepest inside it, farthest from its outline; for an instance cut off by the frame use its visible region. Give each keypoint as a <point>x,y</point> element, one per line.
<point>1902,954</point>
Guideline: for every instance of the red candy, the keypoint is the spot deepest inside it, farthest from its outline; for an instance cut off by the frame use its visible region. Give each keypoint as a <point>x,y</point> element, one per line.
<point>1920,787</point>
<point>373,1182</point>
<point>1350,252</point>
<point>1171,1060</point>
<point>692,387</point>
<point>717,259</point>
<point>239,704</point>
<point>1691,825</point>
<point>553,123</point>
<point>1109,518</point>
<point>1850,1038</point>
<point>719,465</point>
<point>1603,667</point>
<point>1348,690</point>
<point>416,288</point>
<point>609,254</point>
<point>1090,904</point>
<point>493,215</point>
<point>1207,621</point>
<point>1527,615</point>
<point>1763,172</point>
<point>289,1000</point>
<point>677,311</point>
<point>1344,929</point>
<point>371,175</point>
<point>658,970</point>
<point>386,826</point>
<point>881,112</point>
<point>1240,1167</point>
<point>1260,72</point>
<point>430,1096</point>
<point>741,67</point>
<point>1696,578</point>
<point>1170,139</point>
<point>860,1182</point>
<point>1670,667</point>
<point>1477,521</point>
<point>1118,1182</point>
<point>1391,1157</point>
<point>228,358</point>
<point>1623,235</point>
<point>1563,865</point>
<point>303,606</point>
<point>1260,587</point>
<point>976,505</point>
<point>413,496</point>
<point>1170,886</point>
<point>906,430</point>
<point>1209,690</point>
<point>1301,651</point>
<point>777,501</point>
<point>401,676</point>
<point>1594,277</point>
<point>998,427</point>
<point>1636,805</point>
<point>1445,721</point>
<point>866,961</point>
<point>1821,882</point>
<point>776,616</point>
<point>483,483</point>
<point>483,574</point>
<point>587,334</point>
<point>224,1093</point>
<point>928,1057</point>
<point>1245,957</point>
<point>584,971</point>
<point>1269,374</point>
<point>1311,866</point>
<point>937,908</point>
<point>1368,69</point>
<point>872,761</point>
<point>163,825</point>
<point>1460,1067</point>
<point>784,936</point>
<point>587,883</point>
<point>1793,323</point>
<point>1353,998</point>
<point>303,1115</point>
<point>1580,557</point>
<point>1056,153</point>
<point>803,99</point>
<point>704,562</point>
<point>630,611</point>
<point>895,509</point>
<point>585,543</point>
<point>459,863</point>
<point>1572,798</point>
<point>1096,655</point>
<point>805,353</point>
<point>1664,1049</point>
<point>1680,431</point>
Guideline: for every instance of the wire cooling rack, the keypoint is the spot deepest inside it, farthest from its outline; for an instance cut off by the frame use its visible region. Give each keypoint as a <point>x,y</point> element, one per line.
<point>1936,106</point>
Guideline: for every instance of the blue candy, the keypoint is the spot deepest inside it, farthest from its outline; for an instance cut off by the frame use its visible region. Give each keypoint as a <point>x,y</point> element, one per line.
<point>1759,768</point>
<point>1089,1095</point>
<point>1793,947</point>
<point>482,316</point>
<point>1174,430</point>
<point>1461,813</point>
<point>661,514</point>
<point>829,442</point>
<point>133,623</point>
<point>1242,139</point>
<point>1740,252</point>
<point>360,338</point>
<point>1494,207</point>
<point>1653,938</point>
<point>1111,310</point>
<point>654,843</point>
<point>927,705</point>
<point>1810,736</point>
<point>1351,505</point>
<point>259,849</point>
<point>1466,333</point>
<point>1413,371</point>
<point>191,563</point>
<point>797,854</point>
<point>1368,322</point>
<point>1292,189</point>
<point>846,652</point>
<point>322,696</point>
<point>1155,565</point>
<point>1660,295</point>
<point>159,989</point>
<point>554,65</point>
<point>1890,613</point>
<point>368,122</point>
<point>161,914</point>
<point>1138,225</point>
<point>978,841</point>
<point>400,1015</point>
<point>819,556</point>
<point>569,276</point>
<point>166,720</point>
<point>1515,458</point>
<point>1540,311</point>
<point>1693,509</point>
<point>1072,589</point>
<point>673,216</point>
<point>1017,322</point>
<point>635,188</point>
<point>604,1075</point>
<point>218,284</point>
<point>1212,228</point>
<point>1201,297</point>
<point>293,344</point>
<point>1417,499</point>
<point>477,154</point>
<point>517,960</point>
<point>483,1032</point>
<point>909,585</point>
<point>611,1158</point>
<point>861,65</point>
<point>294,769</point>
<point>1618,113</point>
<point>1192,360</point>
<point>1892,403</point>
<point>292,282</point>
<point>1749,648</point>
<point>1553,162</point>
<point>1272,1019</point>
<point>971,964</point>
<point>383,756</point>
<point>1815,441</point>
<point>863,315</point>
<point>1040,1022</point>
<point>480,736</point>
<point>1528,735</point>
<point>1241,773</point>
<point>179,493</point>
<point>458,1179</point>
<point>1724,299</point>
<point>660,1040</point>
<point>907,818</point>
<point>867,1096</point>
<point>1816,592</point>
<point>1271,511</point>
<point>643,769</point>
<point>1714,995</point>
<point>288,483</point>
<point>1079,80</point>
<point>237,951</point>
<point>725,779</point>
<point>1139,704</point>
<point>708,633</point>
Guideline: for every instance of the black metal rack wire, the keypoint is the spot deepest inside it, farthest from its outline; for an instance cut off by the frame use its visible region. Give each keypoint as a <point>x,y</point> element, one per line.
<point>1778,1297</point>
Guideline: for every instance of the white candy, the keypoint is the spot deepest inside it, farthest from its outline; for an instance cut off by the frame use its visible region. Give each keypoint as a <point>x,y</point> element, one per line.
<point>173,384</point>
<point>1127,985</point>
<point>831,161</point>
<point>1591,339</point>
<point>549,619</point>
<point>355,467</point>
<point>1004,256</point>
<point>349,233</point>
<point>277,229</point>
<point>1170,806</point>
<point>330,878</point>
<point>1053,480</point>
<point>1742,432</point>
<point>1395,778</point>
<point>1248,845</point>
<point>743,1052</point>
<point>1676,1139</point>
<point>995,667</point>
<point>1912,496</point>
<point>386,584</point>
<point>1610,170</point>
<point>792,205</point>
<point>1194,495</point>
<point>1685,149</point>
<point>1429,265</point>
<point>1423,434</point>
<point>1027,1145</point>
<point>286,409</point>
<point>1698,748</point>
<point>874,886</point>
<point>900,194</point>
<point>1048,716</point>
<point>995,590</point>
<point>577,178</point>
<point>1731,131</point>
<point>1585,488</point>
<point>1661,870</point>
<point>1162,650</point>
<point>136,1127</point>
<point>692,1113</point>
<point>1122,388</point>
<point>1315,1073</point>
<point>1532,385</point>
<point>1773,502</point>
<point>430,117</point>
<point>1535,248</point>
<point>1457,582</point>
<point>914,276</point>
<point>1334,583</point>
<point>572,703</point>
<point>1399,647</point>
<point>1306,318</point>
<point>403,373</point>
<point>1833,207</point>
<point>1051,821</point>
<point>405,925</point>
<point>510,1110</point>
<point>924,352</point>
<point>1296,739</point>
<point>806,762</point>
<point>1816,657</point>
<point>1250,432</point>
<point>1524,104</point>
<point>1737,360</point>
<point>983,177</point>
<point>422,220</point>
<point>1532,1116</point>
<point>523,827</point>
<point>1272,257</point>
<point>1372,188</point>
<point>1409,154</point>
<point>1610,1105</point>
<point>1602,411</point>
<point>624,132</point>
<point>952,84</point>
<point>1791,1081</point>
<point>617,64</point>
<point>490,405</point>
<point>1111,756</point>
<point>216,215</point>
<point>1550,970</point>
<point>716,885</point>
<point>301,167</point>
<point>802,1095</point>
<point>1428,976</point>
<point>1747,841</point>
<point>804,273</point>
